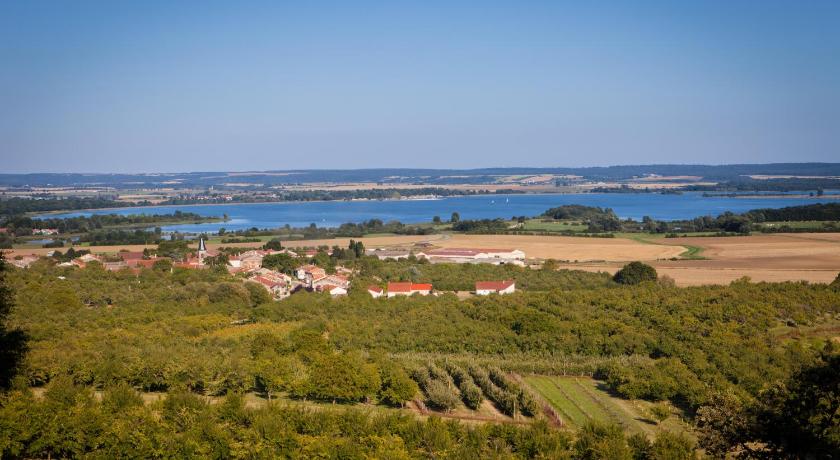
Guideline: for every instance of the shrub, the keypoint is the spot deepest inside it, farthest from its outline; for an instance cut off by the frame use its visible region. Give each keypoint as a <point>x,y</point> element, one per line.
<point>441,396</point>
<point>635,273</point>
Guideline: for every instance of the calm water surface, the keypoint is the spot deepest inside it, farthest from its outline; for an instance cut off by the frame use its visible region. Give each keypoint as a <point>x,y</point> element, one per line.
<point>334,213</point>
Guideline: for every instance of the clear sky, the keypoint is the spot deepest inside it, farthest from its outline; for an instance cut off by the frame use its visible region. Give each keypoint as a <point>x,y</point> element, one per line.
<point>147,86</point>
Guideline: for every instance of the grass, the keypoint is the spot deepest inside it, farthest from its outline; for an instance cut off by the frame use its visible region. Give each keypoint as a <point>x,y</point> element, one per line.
<point>811,224</point>
<point>692,253</point>
<point>539,225</point>
<point>581,399</point>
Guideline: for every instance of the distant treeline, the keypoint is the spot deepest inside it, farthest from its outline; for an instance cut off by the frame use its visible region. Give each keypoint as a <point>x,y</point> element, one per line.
<point>329,195</point>
<point>819,211</point>
<point>16,206</point>
<point>22,225</point>
<point>737,172</point>
<point>745,184</point>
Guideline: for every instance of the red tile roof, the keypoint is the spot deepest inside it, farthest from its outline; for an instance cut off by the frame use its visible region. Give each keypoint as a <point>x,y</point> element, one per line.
<point>373,288</point>
<point>408,287</point>
<point>399,287</point>
<point>493,285</point>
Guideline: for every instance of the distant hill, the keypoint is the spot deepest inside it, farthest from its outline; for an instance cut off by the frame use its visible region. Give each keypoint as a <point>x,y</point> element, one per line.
<point>721,173</point>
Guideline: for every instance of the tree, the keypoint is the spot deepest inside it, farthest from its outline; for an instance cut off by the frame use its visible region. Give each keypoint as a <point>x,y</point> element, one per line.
<point>13,342</point>
<point>436,219</point>
<point>635,273</point>
<point>283,262</point>
<point>597,441</point>
<point>800,418</point>
<point>276,373</point>
<point>174,249</point>
<point>397,386</point>
<point>455,218</point>
<point>274,244</point>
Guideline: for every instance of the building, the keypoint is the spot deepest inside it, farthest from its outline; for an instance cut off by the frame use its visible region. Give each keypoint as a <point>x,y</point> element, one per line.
<point>45,231</point>
<point>375,291</point>
<point>277,284</point>
<point>388,254</point>
<point>310,273</point>
<point>115,266</point>
<point>331,280</point>
<point>495,287</point>
<point>251,260</point>
<point>408,288</point>
<point>334,291</point>
<point>474,255</point>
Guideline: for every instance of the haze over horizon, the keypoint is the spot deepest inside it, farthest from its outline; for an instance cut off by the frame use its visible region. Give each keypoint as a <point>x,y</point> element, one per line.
<point>100,87</point>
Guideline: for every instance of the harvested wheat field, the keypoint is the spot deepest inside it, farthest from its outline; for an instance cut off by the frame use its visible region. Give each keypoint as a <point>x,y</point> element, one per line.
<point>812,257</point>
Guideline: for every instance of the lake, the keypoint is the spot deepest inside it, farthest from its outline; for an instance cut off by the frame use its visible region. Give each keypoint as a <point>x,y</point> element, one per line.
<point>334,213</point>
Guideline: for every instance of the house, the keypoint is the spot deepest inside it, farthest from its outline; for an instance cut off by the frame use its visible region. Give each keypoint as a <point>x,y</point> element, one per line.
<point>375,291</point>
<point>334,291</point>
<point>131,259</point>
<point>473,255</point>
<point>331,280</point>
<point>82,261</point>
<point>278,290</point>
<point>310,273</point>
<point>45,231</point>
<point>408,288</point>
<point>251,260</point>
<point>278,284</point>
<point>495,287</point>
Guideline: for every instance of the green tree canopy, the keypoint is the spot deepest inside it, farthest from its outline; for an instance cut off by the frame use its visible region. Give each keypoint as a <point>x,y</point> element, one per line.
<point>635,273</point>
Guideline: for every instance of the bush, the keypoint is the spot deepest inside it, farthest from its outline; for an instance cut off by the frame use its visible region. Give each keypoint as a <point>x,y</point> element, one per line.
<point>441,396</point>
<point>635,273</point>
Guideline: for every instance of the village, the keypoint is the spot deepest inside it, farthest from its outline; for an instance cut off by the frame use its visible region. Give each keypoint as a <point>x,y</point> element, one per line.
<point>248,265</point>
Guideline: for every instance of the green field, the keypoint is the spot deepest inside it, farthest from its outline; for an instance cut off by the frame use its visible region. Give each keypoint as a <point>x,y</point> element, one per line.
<point>538,225</point>
<point>810,224</point>
<point>581,399</point>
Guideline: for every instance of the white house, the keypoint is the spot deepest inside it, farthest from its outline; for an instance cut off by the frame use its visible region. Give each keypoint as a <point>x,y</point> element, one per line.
<point>395,289</point>
<point>375,291</point>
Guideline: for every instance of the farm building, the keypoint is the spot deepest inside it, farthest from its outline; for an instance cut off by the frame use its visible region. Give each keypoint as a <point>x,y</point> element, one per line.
<point>470,255</point>
<point>495,287</point>
<point>388,254</point>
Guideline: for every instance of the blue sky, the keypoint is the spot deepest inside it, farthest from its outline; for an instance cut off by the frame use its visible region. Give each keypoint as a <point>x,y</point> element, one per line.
<point>151,86</point>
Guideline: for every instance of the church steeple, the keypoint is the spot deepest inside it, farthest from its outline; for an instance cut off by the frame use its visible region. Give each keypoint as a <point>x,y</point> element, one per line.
<point>202,251</point>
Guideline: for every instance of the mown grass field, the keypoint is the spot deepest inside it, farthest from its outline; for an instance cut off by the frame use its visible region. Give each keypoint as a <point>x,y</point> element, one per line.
<point>579,400</point>
<point>538,225</point>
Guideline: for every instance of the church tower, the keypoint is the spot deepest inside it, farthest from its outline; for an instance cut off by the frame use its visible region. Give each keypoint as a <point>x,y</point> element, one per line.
<point>202,251</point>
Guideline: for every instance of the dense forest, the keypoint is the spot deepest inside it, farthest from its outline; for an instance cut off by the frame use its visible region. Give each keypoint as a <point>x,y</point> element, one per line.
<point>205,333</point>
